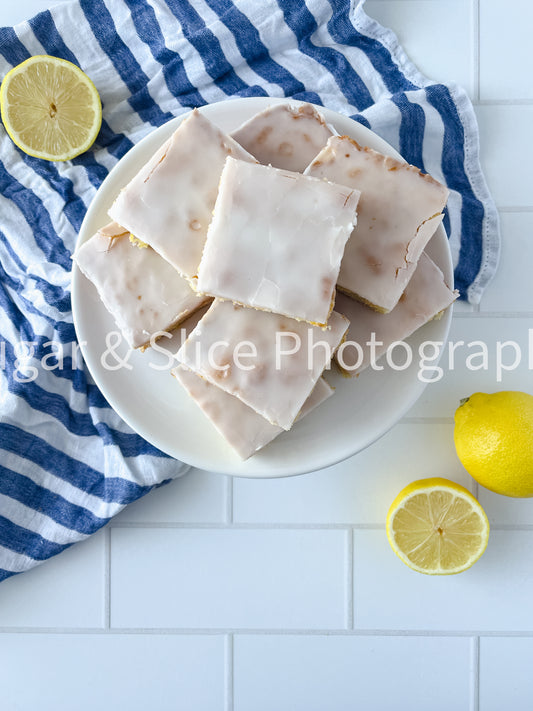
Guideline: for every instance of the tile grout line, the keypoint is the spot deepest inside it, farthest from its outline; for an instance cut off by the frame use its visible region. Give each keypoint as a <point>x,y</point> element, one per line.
<point>477,49</point>
<point>229,500</point>
<point>303,526</point>
<point>228,672</point>
<point>107,579</point>
<point>349,579</point>
<point>270,632</point>
<point>474,677</point>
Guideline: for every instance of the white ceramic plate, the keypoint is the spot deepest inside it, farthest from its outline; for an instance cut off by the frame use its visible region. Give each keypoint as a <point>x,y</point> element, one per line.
<point>154,404</point>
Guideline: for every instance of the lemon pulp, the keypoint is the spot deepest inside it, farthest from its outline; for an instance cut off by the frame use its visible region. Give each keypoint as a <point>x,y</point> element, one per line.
<point>437,527</point>
<point>50,108</point>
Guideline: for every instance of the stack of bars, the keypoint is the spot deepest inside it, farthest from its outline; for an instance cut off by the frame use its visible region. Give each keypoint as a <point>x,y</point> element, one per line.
<point>294,237</point>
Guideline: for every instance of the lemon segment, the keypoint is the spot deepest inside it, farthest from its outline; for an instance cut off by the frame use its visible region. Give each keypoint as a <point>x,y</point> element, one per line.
<point>437,527</point>
<point>50,108</point>
<point>493,437</point>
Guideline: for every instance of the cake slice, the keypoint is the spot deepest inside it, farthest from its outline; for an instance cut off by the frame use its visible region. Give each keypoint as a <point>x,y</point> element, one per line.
<point>399,210</point>
<point>268,361</point>
<point>285,136</point>
<point>245,431</point>
<point>425,297</point>
<point>169,203</point>
<point>143,292</point>
<point>276,240</point>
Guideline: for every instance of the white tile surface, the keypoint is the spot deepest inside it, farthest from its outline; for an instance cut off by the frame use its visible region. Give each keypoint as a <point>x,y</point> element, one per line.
<point>228,578</point>
<point>118,672</point>
<point>467,370</point>
<point>279,566</point>
<point>507,152</point>
<point>67,591</point>
<point>432,52</point>
<point>505,79</point>
<point>506,681</point>
<point>196,497</point>
<point>493,595</point>
<point>297,673</point>
<point>505,510</point>
<point>515,266</point>
<point>358,490</point>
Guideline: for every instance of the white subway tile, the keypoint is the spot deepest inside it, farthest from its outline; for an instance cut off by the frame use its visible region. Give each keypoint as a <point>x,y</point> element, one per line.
<point>493,595</point>
<point>496,372</point>
<point>292,673</point>
<point>505,57</point>
<point>118,672</point>
<point>196,497</point>
<point>505,679</point>
<point>358,490</point>
<point>65,591</point>
<point>507,152</point>
<point>510,290</point>
<point>228,578</point>
<point>432,52</point>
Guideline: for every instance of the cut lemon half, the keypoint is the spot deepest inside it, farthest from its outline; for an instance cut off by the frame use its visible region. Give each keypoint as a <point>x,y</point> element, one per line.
<point>437,527</point>
<point>50,108</point>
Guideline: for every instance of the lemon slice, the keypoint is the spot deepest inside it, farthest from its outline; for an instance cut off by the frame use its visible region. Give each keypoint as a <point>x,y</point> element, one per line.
<point>437,527</point>
<point>50,108</point>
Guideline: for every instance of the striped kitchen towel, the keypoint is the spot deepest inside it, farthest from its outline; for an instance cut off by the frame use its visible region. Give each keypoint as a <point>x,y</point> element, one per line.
<point>68,463</point>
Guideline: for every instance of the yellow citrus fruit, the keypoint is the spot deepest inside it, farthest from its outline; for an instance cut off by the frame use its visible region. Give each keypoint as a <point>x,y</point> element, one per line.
<point>437,527</point>
<point>50,108</point>
<point>494,440</point>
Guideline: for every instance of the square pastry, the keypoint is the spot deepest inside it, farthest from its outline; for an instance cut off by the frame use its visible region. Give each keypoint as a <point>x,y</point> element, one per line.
<point>268,361</point>
<point>285,136</point>
<point>399,210</point>
<point>142,291</point>
<point>425,297</point>
<point>169,203</point>
<point>276,240</point>
<point>243,428</point>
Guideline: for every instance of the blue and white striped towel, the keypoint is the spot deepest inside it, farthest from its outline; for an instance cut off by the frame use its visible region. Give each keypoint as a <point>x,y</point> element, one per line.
<point>67,462</point>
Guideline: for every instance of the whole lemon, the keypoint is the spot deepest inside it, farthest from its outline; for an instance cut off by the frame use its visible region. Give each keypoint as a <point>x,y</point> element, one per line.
<point>494,440</point>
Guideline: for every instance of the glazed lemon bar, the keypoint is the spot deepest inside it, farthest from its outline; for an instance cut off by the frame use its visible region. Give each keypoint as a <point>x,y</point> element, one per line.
<point>244,429</point>
<point>276,240</point>
<point>268,361</point>
<point>285,136</point>
<point>399,210</point>
<point>425,297</point>
<point>143,292</point>
<point>169,203</point>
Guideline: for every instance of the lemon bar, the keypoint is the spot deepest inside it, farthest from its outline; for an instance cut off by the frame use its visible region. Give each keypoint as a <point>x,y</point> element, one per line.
<point>399,210</point>
<point>169,203</point>
<point>143,292</point>
<point>243,428</point>
<point>425,297</point>
<point>285,136</point>
<point>268,361</point>
<point>276,240</point>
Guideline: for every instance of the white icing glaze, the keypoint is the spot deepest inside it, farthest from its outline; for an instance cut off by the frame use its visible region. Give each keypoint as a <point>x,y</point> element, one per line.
<point>169,203</point>
<point>398,212</point>
<point>285,136</point>
<point>277,383</point>
<point>276,240</point>
<point>143,292</point>
<point>243,428</point>
<point>425,296</point>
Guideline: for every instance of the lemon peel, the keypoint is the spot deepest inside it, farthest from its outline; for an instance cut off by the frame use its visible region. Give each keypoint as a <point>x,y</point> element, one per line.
<point>493,438</point>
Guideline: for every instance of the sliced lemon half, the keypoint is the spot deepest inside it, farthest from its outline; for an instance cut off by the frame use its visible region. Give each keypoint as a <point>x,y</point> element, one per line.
<point>437,527</point>
<point>50,108</point>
